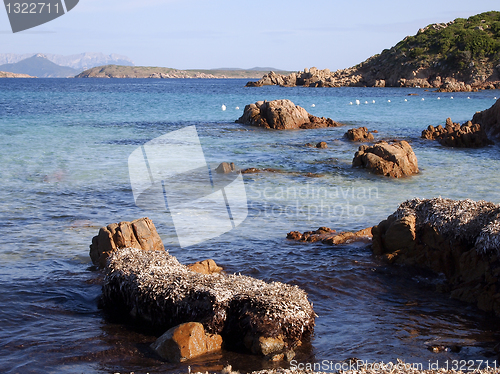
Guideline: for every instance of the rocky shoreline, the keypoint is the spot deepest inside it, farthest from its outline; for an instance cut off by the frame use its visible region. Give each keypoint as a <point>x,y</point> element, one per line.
<point>365,75</point>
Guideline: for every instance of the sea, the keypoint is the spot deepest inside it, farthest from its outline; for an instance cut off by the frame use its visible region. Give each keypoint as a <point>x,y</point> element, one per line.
<point>64,150</point>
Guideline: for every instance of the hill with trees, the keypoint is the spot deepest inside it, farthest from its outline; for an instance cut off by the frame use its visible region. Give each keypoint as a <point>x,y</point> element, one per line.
<point>461,55</point>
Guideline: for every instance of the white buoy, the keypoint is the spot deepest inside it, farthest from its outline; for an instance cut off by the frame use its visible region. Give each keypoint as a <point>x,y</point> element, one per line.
<point>237,108</point>
<point>451,97</point>
<point>439,98</point>
<point>406,99</point>
<point>357,102</point>
<point>495,97</point>
<point>350,102</point>
<point>388,101</point>
<point>373,101</point>
<point>468,98</point>
<point>366,102</point>
<point>423,99</point>
<point>313,105</point>
<point>223,107</point>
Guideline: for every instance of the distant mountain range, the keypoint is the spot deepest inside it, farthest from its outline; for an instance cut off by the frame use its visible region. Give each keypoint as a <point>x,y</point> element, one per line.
<point>39,66</point>
<point>80,62</point>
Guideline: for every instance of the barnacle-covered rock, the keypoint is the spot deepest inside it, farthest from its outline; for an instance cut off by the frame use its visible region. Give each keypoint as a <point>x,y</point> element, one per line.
<point>154,289</point>
<point>458,238</point>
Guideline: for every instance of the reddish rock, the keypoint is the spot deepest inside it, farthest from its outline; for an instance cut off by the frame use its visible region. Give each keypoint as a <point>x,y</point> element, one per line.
<point>140,234</point>
<point>331,237</point>
<point>225,168</point>
<point>395,159</point>
<point>205,267</point>
<point>457,238</point>
<point>282,115</point>
<point>361,134</point>
<point>322,145</point>
<point>185,342</point>
<point>489,120</point>
<point>468,135</point>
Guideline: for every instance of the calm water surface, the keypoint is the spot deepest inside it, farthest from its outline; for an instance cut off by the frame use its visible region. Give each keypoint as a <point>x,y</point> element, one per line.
<point>64,146</point>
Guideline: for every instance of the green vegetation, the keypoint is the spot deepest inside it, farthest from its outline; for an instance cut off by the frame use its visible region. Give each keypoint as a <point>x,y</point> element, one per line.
<point>456,44</point>
<point>118,71</point>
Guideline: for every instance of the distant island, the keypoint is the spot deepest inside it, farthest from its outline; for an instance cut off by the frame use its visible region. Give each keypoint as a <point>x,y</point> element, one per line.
<point>119,71</point>
<point>8,74</point>
<point>461,55</point>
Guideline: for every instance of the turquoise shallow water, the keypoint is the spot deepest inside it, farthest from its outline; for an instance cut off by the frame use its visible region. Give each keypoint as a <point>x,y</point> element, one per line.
<point>64,150</point>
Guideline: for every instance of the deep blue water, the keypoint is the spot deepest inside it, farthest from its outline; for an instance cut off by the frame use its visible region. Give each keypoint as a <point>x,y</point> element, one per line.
<point>64,146</point>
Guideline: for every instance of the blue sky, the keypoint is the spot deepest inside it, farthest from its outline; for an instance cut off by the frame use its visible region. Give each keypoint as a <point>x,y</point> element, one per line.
<point>187,34</point>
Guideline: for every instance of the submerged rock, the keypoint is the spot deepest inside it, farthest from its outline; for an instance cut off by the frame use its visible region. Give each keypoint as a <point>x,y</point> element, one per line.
<point>282,115</point>
<point>184,342</point>
<point>329,236</point>
<point>458,238</point>
<point>468,135</point>
<point>395,159</point>
<point>489,120</point>
<point>140,234</point>
<point>154,289</point>
<point>361,134</point>
<point>225,168</point>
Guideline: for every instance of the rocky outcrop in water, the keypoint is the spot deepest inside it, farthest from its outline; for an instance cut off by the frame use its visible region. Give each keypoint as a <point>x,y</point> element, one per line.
<point>140,233</point>
<point>361,134</point>
<point>395,159</point>
<point>331,237</point>
<point>468,135</point>
<point>282,115</point>
<point>155,290</point>
<point>489,120</point>
<point>457,238</point>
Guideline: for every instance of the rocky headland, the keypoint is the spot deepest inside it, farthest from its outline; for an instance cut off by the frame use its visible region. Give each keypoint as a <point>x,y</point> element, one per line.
<point>461,55</point>
<point>282,115</point>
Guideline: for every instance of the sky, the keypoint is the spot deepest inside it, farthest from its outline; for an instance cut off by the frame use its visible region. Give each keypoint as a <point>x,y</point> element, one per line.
<point>202,34</point>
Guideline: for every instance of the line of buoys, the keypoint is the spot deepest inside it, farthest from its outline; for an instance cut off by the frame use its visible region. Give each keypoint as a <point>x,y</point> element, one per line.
<point>358,102</point>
